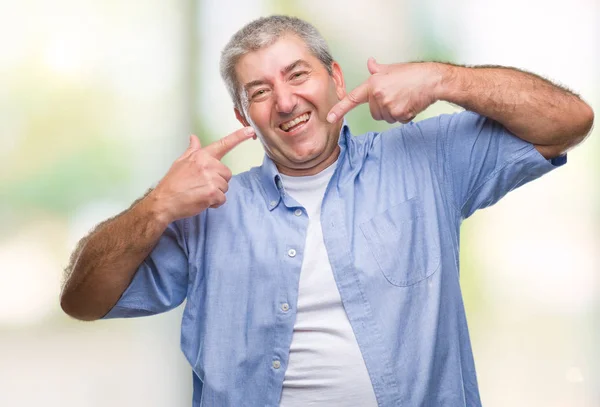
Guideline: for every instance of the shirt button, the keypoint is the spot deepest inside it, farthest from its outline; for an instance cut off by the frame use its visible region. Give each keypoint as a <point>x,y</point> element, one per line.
<point>285,307</point>
<point>273,203</point>
<point>276,364</point>
<point>292,253</point>
<point>298,212</point>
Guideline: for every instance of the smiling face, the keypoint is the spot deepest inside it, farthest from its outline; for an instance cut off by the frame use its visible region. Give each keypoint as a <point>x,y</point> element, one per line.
<point>287,93</point>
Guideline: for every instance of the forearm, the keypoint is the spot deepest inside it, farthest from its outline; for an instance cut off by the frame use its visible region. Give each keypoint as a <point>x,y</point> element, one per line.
<point>104,263</point>
<point>530,107</point>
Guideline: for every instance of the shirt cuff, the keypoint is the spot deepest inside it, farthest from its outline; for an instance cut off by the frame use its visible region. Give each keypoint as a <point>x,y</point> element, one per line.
<point>558,161</point>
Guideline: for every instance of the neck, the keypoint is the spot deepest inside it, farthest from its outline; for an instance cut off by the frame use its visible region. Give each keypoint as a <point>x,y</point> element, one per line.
<point>304,172</point>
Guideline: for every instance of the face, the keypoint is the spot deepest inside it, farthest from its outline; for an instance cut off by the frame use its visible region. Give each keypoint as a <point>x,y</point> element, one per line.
<point>287,93</point>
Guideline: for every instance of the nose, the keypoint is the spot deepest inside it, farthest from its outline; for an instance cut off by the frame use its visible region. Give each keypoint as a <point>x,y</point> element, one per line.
<point>285,101</point>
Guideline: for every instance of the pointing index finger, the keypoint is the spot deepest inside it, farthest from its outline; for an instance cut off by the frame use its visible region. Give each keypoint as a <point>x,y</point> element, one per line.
<point>221,147</point>
<point>356,97</point>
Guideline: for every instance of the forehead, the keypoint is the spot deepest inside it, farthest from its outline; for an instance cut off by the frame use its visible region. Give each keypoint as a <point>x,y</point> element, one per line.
<point>267,63</point>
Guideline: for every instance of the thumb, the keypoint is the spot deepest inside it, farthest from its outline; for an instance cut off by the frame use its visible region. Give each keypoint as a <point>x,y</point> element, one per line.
<point>373,66</point>
<point>194,143</point>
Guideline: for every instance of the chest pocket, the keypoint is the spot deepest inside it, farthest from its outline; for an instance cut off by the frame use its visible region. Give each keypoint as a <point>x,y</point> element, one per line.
<point>402,243</point>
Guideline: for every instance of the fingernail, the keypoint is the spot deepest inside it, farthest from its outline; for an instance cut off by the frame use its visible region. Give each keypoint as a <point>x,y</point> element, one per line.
<point>249,130</point>
<point>331,117</point>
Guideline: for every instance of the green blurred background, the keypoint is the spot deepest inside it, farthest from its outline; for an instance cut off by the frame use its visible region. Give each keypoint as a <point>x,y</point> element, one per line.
<point>97,98</point>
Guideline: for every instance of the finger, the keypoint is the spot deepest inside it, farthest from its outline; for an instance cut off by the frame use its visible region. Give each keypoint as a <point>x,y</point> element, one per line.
<point>375,110</point>
<point>193,146</point>
<point>221,147</point>
<point>220,183</point>
<point>373,66</point>
<point>223,171</point>
<point>387,115</point>
<point>408,119</point>
<point>194,143</point>
<point>217,199</point>
<point>356,97</point>
<point>210,165</point>
<point>210,196</point>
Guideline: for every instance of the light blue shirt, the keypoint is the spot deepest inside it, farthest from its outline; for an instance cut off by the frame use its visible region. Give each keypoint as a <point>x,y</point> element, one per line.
<point>391,216</point>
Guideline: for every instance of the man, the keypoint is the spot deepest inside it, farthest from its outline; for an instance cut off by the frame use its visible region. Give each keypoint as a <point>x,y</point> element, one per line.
<point>328,276</point>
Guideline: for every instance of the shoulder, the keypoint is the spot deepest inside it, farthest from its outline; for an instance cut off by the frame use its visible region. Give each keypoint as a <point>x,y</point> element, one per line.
<point>361,144</point>
<point>398,136</point>
<point>245,180</point>
<point>433,129</point>
<point>245,186</point>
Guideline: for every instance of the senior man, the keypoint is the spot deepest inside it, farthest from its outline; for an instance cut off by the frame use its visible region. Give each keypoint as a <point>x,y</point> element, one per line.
<point>328,276</point>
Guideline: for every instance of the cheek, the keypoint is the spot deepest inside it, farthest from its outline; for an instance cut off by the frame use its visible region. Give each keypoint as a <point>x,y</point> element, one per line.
<point>260,121</point>
<point>323,96</point>
<point>259,115</point>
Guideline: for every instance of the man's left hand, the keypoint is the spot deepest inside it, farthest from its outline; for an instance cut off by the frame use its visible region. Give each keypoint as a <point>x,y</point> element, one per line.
<point>395,92</point>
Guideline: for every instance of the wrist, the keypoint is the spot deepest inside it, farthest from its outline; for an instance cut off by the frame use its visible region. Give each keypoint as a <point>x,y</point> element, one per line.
<point>156,210</point>
<point>445,75</point>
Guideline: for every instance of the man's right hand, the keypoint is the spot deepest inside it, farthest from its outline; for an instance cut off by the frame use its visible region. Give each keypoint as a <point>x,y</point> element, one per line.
<point>104,262</point>
<point>198,179</point>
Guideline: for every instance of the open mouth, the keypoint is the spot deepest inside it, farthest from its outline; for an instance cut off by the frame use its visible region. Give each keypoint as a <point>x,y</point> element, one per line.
<point>296,123</point>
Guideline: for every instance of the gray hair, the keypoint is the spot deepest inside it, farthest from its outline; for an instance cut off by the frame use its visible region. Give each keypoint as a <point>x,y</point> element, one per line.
<point>261,33</point>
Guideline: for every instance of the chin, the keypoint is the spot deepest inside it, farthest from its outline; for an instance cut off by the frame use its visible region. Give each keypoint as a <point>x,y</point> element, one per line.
<point>307,156</point>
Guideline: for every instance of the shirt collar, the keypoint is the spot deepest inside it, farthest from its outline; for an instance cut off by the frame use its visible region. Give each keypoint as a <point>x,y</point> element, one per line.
<point>269,175</point>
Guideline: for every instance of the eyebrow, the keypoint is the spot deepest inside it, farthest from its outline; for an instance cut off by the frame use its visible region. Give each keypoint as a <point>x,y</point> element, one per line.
<point>287,69</point>
<point>293,65</point>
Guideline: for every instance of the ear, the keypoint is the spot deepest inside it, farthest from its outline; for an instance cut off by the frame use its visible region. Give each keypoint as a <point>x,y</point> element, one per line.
<point>338,79</point>
<point>240,117</point>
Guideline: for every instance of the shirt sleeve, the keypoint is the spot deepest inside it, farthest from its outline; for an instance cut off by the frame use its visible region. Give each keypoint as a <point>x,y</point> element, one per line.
<point>160,283</point>
<point>481,160</point>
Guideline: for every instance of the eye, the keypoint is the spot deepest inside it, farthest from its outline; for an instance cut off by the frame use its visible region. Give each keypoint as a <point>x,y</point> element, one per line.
<point>259,93</point>
<point>298,75</point>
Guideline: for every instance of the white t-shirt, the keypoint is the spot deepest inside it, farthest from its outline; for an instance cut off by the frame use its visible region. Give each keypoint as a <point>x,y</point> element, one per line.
<point>325,366</point>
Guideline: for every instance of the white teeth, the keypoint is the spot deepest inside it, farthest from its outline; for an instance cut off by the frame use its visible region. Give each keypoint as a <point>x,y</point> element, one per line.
<point>287,125</point>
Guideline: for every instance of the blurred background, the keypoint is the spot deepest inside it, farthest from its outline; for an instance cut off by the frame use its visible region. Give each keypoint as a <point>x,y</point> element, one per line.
<point>97,98</point>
